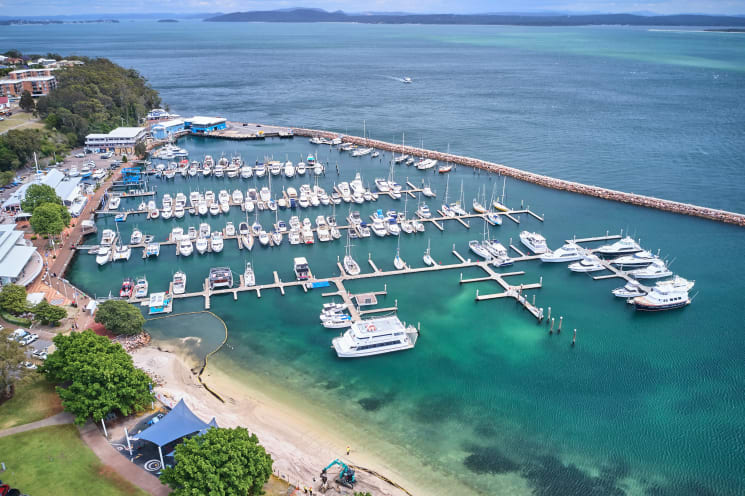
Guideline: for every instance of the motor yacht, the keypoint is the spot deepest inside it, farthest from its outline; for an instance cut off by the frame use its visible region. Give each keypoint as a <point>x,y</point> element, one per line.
<point>294,236</point>
<point>136,237</point>
<point>289,170</point>
<point>103,255</point>
<point>127,288</point>
<point>229,229</point>
<point>215,209</point>
<point>655,270</point>
<point>153,249</point>
<point>375,337</point>
<point>177,233</point>
<point>185,247</point>
<point>114,202</point>
<point>379,227</point>
<point>237,197</point>
<point>300,169</point>
<point>141,287</point>
<point>246,172</point>
<point>636,259</point>
<point>534,241</point>
<point>662,298</point>
<point>202,244</point>
<point>631,289</point>
<point>423,211</point>
<point>570,252</point>
<point>179,282</point>
<point>301,268</point>
<point>275,168</point>
<point>263,238</point>
<point>677,282</point>
<point>623,246</point>
<point>590,263</point>
<point>204,230</point>
<point>216,242</point>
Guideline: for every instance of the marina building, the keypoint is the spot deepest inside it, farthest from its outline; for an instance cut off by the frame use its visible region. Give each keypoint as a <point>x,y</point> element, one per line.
<point>202,125</point>
<point>120,140</point>
<point>159,114</point>
<point>20,263</point>
<point>164,129</point>
<point>67,188</point>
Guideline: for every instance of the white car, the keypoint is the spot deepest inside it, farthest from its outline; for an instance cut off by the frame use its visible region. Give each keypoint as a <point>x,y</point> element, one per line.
<point>29,365</point>
<point>30,338</point>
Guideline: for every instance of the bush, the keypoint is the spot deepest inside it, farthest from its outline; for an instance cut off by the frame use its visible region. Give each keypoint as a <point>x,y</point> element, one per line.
<point>49,314</point>
<point>120,317</point>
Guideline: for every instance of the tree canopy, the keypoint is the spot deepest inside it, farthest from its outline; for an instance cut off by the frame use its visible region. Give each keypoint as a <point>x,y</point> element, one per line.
<point>95,97</point>
<point>49,314</point>
<point>13,299</point>
<point>27,101</point>
<point>49,218</point>
<point>17,146</point>
<point>98,377</point>
<point>120,317</point>
<point>220,461</point>
<point>12,355</point>
<point>36,194</point>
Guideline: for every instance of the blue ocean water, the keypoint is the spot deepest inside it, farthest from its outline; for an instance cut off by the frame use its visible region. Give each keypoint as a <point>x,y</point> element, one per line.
<point>645,404</point>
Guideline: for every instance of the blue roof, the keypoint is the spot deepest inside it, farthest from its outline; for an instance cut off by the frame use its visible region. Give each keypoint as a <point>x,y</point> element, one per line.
<point>180,422</point>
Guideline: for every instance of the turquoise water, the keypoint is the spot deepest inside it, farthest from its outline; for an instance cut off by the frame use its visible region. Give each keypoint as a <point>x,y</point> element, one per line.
<point>644,404</point>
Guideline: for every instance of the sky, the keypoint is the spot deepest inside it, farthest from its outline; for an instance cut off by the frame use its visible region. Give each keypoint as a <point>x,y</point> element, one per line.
<point>72,7</point>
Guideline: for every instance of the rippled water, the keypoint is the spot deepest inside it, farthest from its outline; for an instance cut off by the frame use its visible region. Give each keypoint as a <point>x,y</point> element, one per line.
<point>644,404</point>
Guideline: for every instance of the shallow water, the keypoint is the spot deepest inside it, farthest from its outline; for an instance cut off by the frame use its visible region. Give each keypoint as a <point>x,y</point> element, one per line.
<point>643,403</point>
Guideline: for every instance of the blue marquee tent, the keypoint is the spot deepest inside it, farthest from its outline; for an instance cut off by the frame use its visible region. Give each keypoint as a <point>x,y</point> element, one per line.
<point>179,422</point>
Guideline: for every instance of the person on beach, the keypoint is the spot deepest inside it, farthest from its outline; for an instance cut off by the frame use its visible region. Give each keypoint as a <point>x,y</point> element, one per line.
<point>348,450</point>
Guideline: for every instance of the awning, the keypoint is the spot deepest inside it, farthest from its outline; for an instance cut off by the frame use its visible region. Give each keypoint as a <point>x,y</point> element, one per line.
<point>180,422</point>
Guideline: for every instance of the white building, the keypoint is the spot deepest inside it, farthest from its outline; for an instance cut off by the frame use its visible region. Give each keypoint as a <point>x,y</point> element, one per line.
<point>120,140</point>
<point>67,188</point>
<point>20,263</point>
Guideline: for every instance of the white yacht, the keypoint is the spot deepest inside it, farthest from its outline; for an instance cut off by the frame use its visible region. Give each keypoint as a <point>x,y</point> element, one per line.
<point>121,252</point>
<point>351,266</point>
<point>103,255</point>
<point>423,211</point>
<point>202,244</point>
<point>229,229</point>
<point>179,211</point>
<point>302,271</point>
<point>136,237</point>
<point>479,249</point>
<point>570,252</point>
<point>428,260</point>
<point>375,337</point>
<point>631,289</point>
<point>623,246</point>
<point>656,270</point>
<point>677,282</point>
<point>185,247</point>
<point>590,263</point>
<point>179,282</point>
<point>246,172</point>
<point>216,242</point>
<point>275,168</point>
<point>204,230</point>
<point>289,169</point>
<point>300,169</point>
<point>237,197</point>
<point>378,227</point>
<point>221,277</point>
<point>249,278</point>
<point>141,287</point>
<point>637,259</point>
<point>662,298</point>
<point>534,241</point>
<point>114,202</point>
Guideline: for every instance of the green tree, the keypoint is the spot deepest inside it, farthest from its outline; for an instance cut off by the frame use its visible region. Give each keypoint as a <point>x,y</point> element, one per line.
<point>220,461</point>
<point>98,376</point>
<point>12,355</point>
<point>6,177</point>
<point>13,299</point>
<point>27,101</point>
<point>120,317</point>
<point>49,218</point>
<point>49,314</point>
<point>140,149</point>
<point>37,194</point>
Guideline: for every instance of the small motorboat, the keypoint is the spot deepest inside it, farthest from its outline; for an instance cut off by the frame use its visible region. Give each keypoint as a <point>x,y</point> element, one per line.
<point>127,288</point>
<point>141,287</point>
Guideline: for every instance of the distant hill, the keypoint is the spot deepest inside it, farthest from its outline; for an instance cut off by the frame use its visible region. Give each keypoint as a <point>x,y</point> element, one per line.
<point>318,15</point>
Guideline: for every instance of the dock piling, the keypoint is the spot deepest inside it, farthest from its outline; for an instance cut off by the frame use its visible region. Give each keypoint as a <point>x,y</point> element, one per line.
<point>558,331</point>
<point>551,330</point>
<point>574,338</point>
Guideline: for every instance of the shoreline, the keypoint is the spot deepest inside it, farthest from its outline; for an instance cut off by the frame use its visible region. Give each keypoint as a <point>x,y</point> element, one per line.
<point>299,444</point>
<point>539,179</point>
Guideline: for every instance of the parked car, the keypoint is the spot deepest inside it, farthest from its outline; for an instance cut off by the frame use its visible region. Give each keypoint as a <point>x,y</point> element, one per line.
<point>17,335</point>
<point>80,155</point>
<point>29,365</point>
<point>28,339</point>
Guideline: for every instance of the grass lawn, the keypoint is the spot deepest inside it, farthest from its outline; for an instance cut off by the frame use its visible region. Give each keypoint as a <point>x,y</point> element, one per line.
<point>55,461</point>
<point>23,120</point>
<point>35,399</point>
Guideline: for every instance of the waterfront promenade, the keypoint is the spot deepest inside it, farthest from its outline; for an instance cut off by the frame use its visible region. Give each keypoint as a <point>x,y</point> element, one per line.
<point>541,180</point>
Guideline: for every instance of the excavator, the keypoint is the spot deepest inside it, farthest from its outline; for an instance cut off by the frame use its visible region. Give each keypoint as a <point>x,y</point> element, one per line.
<point>346,474</point>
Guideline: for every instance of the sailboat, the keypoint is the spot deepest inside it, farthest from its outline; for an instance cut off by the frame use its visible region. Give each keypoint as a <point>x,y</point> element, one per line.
<point>428,260</point>
<point>403,156</point>
<point>499,203</point>
<point>398,262</point>
<point>351,266</point>
<point>457,207</point>
<point>493,216</point>
<point>478,207</point>
<point>446,210</point>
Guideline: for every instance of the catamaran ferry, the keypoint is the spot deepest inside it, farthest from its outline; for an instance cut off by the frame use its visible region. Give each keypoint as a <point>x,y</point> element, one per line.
<point>375,337</point>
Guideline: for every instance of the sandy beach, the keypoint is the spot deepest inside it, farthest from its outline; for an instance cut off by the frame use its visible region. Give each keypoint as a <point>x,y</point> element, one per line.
<point>299,445</point>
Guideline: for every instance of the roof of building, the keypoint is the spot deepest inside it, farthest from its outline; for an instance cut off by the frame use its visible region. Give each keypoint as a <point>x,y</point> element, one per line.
<point>15,260</point>
<point>32,79</point>
<point>179,422</point>
<point>55,178</point>
<point>126,132</point>
<point>170,123</point>
<point>200,120</point>
<point>3,100</point>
